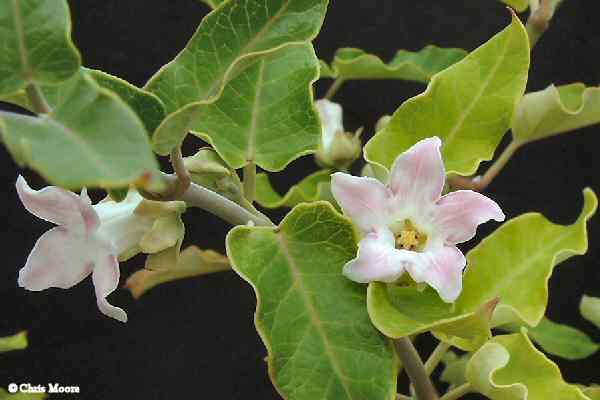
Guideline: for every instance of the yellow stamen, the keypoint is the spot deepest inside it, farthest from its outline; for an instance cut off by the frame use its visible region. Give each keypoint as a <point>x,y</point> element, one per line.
<point>408,240</point>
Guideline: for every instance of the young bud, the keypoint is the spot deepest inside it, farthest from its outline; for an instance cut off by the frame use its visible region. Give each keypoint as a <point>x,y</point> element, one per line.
<point>207,169</point>
<point>338,149</point>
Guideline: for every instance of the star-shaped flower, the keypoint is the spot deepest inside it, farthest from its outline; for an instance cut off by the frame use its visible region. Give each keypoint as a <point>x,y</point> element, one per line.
<point>90,239</point>
<point>408,225</point>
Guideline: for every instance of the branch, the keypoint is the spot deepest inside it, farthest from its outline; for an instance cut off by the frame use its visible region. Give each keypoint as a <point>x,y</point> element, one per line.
<point>458,392</point>
<point>335,86</point>
<point>415,369</point>
<point>36,99</point>
<point>479,184</point>
<point>250,181</point>
<point>184,179</point>
<point>214,203</point>
<point>435,357</point>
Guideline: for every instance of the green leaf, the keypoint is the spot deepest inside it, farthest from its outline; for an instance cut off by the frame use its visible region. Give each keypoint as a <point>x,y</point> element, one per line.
<point>420,66</point>
<point>14,342</point>
<point>556,110</point>
<point>561,340</point>
<point>90,139</point>
<point>468,105</point>
<point>519,5</point>
<point>510,367</point>
<point>35,38</point>
<point>455,368</point>
<point>213,3</point>
<point>312,188</point>
<point>146,105</point>
<point>509,265</point>
<point>237,31</point>
<point>4,395</point>
<point>312,319</point>
<point>400,311</point>
<point>589,307</point>
<point>593,392</point>
<point>265,114</point>
<point>192,262</point>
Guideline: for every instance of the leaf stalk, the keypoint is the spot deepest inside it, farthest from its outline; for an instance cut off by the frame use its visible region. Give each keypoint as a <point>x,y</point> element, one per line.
<point>37,99</point>
<point>415,369</point>
<point>250,181</point>
<point>458,392</point>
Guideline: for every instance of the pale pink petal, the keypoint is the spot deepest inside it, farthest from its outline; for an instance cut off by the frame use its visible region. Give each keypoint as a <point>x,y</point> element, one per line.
<point>442,270</point>
<point>377,260</point>
<point>458,214</point>
<point>362,199</point>
<point>57,205</point>
<point>331,115</point>
<point>59,259</point>
<point>106,279</point>
<point>417,176</point>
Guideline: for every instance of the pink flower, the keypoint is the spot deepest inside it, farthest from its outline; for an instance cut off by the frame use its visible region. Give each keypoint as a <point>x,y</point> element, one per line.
<point>407,226</point>
<point>90,239</point>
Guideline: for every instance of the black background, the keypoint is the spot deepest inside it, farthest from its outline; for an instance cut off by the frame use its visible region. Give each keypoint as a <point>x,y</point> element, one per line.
<point>196,338</point>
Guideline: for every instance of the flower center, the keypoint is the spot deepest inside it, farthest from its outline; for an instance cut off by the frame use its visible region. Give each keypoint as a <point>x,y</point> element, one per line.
<point>408,237</point>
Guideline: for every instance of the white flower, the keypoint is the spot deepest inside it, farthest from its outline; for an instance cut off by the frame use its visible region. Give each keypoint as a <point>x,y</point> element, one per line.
<point>90,239</point>
<point>408,226</point>
<point>331,115</point>
<point>338,148</point>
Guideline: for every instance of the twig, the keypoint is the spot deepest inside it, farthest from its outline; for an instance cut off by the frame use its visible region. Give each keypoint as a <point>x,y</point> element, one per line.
<point>334,88</point>
<point>36,99</point>
<point>250,181</point>
<point>479,184</point>
<point>415,369</point>
<point>214,203</point>
<point>183,176</point>
<point>458,392</point>
<point>435,357</point>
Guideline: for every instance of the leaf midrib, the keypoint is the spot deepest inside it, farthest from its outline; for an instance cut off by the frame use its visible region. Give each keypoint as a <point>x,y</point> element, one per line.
<point>462,118</point>
<point>244,51</point>
<point>312,313</point>
<point>21,39</point>
<point>251,154</point>
<point>501,285</point>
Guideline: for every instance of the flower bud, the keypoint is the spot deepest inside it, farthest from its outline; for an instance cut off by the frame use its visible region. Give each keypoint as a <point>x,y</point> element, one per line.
<point>338,148</point>
<point>209,170</point>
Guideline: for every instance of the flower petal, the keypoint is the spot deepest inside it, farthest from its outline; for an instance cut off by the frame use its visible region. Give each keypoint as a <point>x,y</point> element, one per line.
<point>377,259</point>
<point>58,259</point>
<point>106,279</point>
<point>57,205</point>
<point>362,199</point>
<point>331,115</point>
<point>459,213</point>
<point>418,174</point>
<point>442,270</point>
